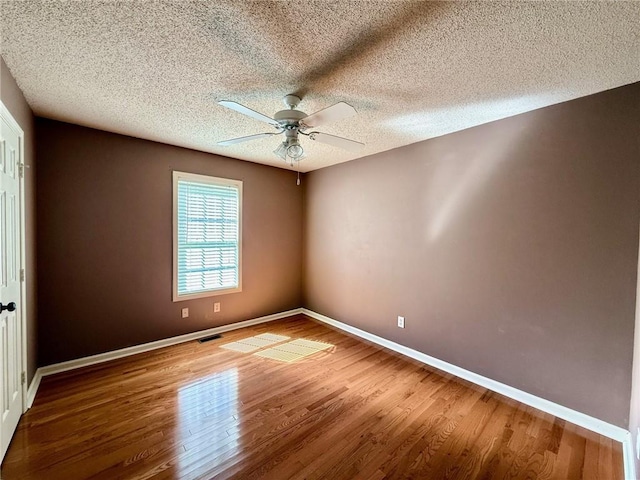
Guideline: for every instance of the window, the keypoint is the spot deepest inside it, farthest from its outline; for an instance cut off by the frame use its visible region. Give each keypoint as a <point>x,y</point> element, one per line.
<point>207,236</point>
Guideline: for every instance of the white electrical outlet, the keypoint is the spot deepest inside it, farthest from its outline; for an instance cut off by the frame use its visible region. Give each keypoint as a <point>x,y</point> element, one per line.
<point>185,312</point>
<point>401,322</point>
<point>216,307</point>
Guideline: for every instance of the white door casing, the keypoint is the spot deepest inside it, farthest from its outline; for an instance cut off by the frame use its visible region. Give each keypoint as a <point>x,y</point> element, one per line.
<point>12,327</point>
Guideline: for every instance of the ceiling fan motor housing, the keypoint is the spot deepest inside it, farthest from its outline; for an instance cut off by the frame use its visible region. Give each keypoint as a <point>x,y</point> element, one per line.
<point>289,119</point>
<point>291,100</point>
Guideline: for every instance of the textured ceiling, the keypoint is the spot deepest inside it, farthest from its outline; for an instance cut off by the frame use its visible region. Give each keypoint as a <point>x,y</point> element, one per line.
<point>413,70</point>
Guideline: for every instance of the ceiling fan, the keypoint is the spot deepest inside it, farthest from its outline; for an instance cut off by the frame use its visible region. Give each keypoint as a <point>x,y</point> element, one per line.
<point>292,123</point>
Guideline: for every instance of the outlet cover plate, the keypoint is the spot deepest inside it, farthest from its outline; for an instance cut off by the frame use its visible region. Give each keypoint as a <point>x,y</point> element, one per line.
<point>185,312</point>
<point>401,322</point>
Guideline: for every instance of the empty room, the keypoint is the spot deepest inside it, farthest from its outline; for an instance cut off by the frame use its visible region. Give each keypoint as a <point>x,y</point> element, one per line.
<point>319,240</point>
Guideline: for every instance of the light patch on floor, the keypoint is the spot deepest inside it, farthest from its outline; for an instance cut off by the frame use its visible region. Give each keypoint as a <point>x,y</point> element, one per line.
<point>247,345</point>
<point>280,355</point>
<point>311,344</point>
<point>258,342</point>
<point>240,347</point>
<point>284,352</point>
<point>273,336</point>
<point>297,349</point>
<point>294,350</point>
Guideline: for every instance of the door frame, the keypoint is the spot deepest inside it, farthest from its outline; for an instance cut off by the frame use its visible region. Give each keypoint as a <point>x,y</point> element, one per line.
<point>6,115</point>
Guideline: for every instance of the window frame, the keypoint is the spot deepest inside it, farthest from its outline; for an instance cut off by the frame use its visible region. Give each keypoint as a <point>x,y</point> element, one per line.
<point>210,180</point>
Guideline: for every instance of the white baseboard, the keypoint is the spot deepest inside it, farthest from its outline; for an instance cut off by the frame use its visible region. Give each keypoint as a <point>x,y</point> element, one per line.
<point>577,418</point>
<point>145,347</point>
<point>33,388</point>
<point>628,452</point>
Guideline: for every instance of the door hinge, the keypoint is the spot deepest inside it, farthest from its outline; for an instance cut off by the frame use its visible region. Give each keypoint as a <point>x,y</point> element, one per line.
<point>23,378</point>
<point>22,274</point>
<point>21,170</point>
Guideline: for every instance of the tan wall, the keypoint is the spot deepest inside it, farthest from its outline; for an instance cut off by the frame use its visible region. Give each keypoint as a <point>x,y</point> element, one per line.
<point>511,249</point>
<point>634,414</point>
<point>14,100</point>
<point>105,233</point>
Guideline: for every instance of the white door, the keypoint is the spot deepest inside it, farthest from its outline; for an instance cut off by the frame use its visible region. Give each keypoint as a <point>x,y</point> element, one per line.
<point>10,288</point>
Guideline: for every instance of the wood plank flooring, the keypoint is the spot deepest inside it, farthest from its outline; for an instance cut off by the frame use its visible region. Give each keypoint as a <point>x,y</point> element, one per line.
<point>352,411</point>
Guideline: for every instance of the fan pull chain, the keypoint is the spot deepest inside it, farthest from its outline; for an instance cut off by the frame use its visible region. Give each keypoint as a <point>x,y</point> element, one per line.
<point>298,181</point>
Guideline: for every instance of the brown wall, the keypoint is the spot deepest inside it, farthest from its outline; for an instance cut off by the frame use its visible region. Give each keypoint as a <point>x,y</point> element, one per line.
<point>15,102</point>
<point>105,236</point>
<point>634,413</point>
<point>511,248</point>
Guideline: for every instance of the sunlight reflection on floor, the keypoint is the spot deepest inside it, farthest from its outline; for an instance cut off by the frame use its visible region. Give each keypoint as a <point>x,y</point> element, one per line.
<point>208,418</point>
<point>284,352</point>
<point>208,415</point>
<point>256,342</point>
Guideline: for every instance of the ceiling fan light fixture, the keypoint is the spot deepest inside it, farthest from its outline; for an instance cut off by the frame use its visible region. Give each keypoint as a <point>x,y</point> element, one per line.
<point>281,151</point>
<point>295,151</point>
<point>290,150</point>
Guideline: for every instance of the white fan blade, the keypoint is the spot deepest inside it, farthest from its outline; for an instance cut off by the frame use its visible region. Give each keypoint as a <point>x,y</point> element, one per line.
<point>248,138</point>
<point>336,112</point>
<point>247,111</point>
<point>345,143</point>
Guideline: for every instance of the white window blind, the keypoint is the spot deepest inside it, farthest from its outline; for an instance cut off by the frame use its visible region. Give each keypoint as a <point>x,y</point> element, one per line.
<point>206,235</point>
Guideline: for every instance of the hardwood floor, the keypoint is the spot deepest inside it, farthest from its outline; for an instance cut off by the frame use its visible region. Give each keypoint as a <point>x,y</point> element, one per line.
<point>350,411</point>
